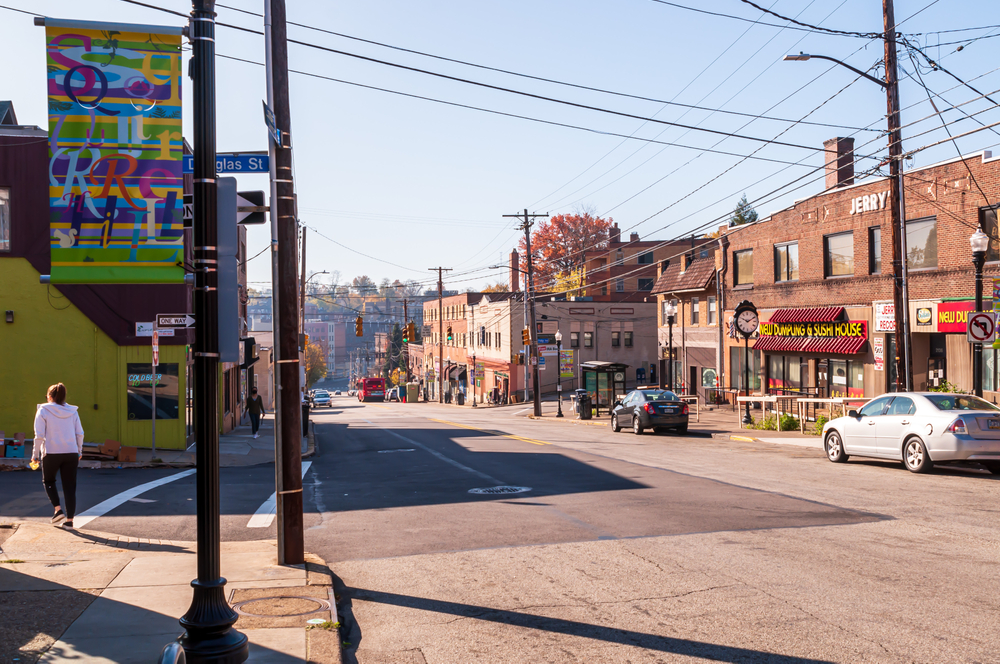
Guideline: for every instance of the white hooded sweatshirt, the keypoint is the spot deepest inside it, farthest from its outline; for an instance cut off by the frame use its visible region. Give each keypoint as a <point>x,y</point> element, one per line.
<point>57,430</point>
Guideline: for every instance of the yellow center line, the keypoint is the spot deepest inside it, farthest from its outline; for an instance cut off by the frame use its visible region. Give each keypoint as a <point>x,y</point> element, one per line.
<point>491,432</point>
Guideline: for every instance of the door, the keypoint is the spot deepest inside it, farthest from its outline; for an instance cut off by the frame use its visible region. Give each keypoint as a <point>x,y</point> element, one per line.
<point>860,436</point>
<point>625,412</point>
<point>891,427</point>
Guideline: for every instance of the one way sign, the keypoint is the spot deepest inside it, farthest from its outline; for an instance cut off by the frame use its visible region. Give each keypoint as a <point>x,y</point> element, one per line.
<point>174,320</point>
<point>250,208</point>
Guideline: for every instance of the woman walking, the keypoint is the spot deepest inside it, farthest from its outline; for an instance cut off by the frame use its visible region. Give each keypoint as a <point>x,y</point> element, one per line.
<point>59,444</point>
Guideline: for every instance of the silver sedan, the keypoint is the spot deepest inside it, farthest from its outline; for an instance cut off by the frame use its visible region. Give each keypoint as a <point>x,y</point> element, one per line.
<point>919,429</point>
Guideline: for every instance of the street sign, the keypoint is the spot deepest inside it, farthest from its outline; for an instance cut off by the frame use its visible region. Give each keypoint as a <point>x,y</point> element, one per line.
<point>982,327</point>
<point>272,127</point>
<point>174,320</point>
<point>156,349</point>
<point>188,210</point>
<point>250,208</point>
<point>235,162</point>
<point>146,330</point>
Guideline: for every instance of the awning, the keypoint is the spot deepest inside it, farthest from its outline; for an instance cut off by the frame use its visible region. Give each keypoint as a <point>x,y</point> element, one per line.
<point>814,315</point>
<point>839,345</point>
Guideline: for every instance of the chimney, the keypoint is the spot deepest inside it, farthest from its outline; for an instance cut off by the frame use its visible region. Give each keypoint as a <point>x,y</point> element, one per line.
<point>839,162</point>
<point>515,281</point>
<point>634,237</point>
<point>614,234</point>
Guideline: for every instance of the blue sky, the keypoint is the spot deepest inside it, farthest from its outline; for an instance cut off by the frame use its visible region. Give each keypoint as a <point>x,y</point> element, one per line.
<point>419,184</point>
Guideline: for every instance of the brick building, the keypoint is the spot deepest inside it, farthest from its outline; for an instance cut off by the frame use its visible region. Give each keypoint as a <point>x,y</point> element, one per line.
<point>820,274</point>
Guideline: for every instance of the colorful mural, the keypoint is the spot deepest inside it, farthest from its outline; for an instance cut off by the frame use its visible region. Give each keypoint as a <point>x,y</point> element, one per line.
<point>115,146</point>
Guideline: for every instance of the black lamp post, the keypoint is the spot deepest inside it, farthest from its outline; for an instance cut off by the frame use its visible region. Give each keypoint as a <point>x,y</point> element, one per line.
<point>671,312</point>
<point>980,242</point>
<point>559,372</point>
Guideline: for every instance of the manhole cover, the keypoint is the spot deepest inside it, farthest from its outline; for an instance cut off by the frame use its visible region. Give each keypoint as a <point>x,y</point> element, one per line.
<point>501,489</point>
<point>284,606</point>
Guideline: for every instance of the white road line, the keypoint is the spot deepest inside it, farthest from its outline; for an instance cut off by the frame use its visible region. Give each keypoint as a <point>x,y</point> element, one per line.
<point>437,454</point>
<point>522,411</point>
<point>103,508</point>
<point>264,516</point>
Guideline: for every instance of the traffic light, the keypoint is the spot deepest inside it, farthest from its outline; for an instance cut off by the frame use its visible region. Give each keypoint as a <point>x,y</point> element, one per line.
<point>307,341</point>
<point>449,334</point>
<point>359,327</point>
<point>412,331</point>
<point>406,333</point>
<point>526,337</point>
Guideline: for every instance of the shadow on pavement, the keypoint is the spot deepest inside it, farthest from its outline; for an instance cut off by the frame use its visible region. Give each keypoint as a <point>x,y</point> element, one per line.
<point>709,651</point>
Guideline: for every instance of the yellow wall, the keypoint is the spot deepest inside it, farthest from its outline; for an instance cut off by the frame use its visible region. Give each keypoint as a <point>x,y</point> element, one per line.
<point>51,341</point>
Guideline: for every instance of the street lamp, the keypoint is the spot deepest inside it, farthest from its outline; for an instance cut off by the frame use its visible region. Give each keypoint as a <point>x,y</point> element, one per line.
<point>980,242</point>
<point>559,371</point>
<point>671,311</point>
<point>897,193</point>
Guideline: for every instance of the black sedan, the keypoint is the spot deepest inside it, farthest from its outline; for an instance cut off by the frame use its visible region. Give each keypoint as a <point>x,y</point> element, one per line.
<point>650,409</point>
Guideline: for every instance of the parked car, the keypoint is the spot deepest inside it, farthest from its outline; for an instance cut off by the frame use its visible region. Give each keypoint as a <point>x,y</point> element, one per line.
<point>350,393</point>
<point>920,429</point>
<point>337,393</point>
<point>650,409</point>
<point>321,398</point>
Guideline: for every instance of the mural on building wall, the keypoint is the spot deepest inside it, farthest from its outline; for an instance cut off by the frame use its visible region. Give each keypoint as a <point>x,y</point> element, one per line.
<point>115,146</point>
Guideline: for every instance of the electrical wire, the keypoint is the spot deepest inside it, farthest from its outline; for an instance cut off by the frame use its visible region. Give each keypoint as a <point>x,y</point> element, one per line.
<point>816,28</point>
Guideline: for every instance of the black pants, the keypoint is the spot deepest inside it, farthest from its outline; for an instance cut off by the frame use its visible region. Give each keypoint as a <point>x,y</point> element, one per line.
<point>254,422</point>
<point>65,464</point>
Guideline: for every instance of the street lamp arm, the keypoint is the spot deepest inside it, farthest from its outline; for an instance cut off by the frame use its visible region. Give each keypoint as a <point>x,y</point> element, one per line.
<point>809,56</point>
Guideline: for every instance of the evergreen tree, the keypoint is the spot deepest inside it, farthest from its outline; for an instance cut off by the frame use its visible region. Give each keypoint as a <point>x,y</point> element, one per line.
<point>743,214</point>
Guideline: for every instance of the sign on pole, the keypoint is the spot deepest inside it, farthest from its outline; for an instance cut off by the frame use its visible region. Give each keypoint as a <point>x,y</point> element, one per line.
<point>146,330</point>
<point>566,364</point>
<point>996,295</point>
<point>174,320</point>
<point>235,162</point>
<point>250,208</point>
<point>115,145</point>
<point>982,327</point>
<point>156,348</point>
<point>272,127</point>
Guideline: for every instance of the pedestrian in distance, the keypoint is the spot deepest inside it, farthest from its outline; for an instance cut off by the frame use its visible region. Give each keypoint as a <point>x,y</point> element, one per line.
<point>255,408</point>
<point>59,445</point>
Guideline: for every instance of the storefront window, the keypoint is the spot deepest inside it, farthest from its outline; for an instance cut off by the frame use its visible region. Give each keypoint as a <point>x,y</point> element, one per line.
<point>784,374</point>
<point>736,374</point>
<point>743,267</point>
<point>839,254</point>
<point>989,369</point>
<point>140,392</point>
<point>847,378</point>
<point>708,377</point>
<point>921,244</point>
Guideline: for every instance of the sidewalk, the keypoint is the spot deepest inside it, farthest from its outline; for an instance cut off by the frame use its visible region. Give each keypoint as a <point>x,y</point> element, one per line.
<point>236,448</point>
<point>87,596</point>
<point>715,421</point>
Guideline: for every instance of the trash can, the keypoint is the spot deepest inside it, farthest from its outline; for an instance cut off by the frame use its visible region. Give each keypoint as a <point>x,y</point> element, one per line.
<point>305,418</point>
<point>460,398</point>
<point>583,404</point>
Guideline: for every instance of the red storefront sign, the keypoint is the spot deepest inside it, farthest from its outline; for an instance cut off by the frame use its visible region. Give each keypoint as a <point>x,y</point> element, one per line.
<point>953,317</point>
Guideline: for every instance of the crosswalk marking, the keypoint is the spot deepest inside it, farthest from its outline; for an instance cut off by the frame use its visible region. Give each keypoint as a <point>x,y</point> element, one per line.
<point>264,516</point>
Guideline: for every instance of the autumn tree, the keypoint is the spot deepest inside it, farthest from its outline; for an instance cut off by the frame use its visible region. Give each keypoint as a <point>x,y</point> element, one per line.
<point>364,285</point>
<point>558,243</point>
<point>743,213</point>
<point>315,364</point>
<point>495,288</point>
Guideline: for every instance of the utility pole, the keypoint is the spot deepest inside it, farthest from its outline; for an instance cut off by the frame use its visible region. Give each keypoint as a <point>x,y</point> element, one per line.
<point>440,330</point>
<point>526,227</point>
<point>406,323</point>
<point>288,459</point>
<point>208,624</point>
<point>904,363</point>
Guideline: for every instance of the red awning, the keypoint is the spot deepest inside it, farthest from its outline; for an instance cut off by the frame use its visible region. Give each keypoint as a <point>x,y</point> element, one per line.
<point>838,345</point>
<point>815,315</point>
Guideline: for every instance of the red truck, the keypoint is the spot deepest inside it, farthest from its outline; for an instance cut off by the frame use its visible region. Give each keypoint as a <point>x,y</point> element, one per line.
<point>371,389</point>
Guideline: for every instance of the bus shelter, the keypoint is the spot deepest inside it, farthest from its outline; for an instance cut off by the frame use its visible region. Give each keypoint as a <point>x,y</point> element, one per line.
<point>603,382</point>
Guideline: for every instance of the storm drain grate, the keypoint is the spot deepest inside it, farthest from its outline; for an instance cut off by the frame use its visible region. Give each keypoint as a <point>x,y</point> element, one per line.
<point>493,490</point>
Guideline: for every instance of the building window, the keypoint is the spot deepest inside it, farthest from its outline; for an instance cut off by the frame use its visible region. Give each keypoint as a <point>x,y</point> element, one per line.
<point>5,219</point>
<point>574,339</point>
<point>786,262</point>
<point>743,267</point>
<point>839,254</point>
<point>875,250</point>
<point>664,265</point>
<point>619,285</point>
<point>646,284</point>
<point>695,310</point>
<point>628,340</point>
<point>619,257</point>
<point>921,244</point>
<point>711,310</point>
<point>987,221</point>
<point>616,339</point>
<point>604,289</point>
<point>588,339</point>
<point>498,339</point>
<point>646,258</point>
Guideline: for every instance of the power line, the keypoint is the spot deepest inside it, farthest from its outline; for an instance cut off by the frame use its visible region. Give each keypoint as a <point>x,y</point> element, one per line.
<point>807,28</point>
<point>817,28</point>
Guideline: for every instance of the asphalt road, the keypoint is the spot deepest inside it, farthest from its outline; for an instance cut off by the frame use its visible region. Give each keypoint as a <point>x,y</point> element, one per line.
<point>609,547</point>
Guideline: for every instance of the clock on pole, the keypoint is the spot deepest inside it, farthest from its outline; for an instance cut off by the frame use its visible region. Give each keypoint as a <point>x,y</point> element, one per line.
<point>747,322</point>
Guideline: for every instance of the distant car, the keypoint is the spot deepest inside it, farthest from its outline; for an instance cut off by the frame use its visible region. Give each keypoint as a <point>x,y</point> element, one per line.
<point>394,394</point>
<point>337,393</point>
<point>321,398</point>
<point>650,409</point>
<point>920,429</point>
<point>350,393</point>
